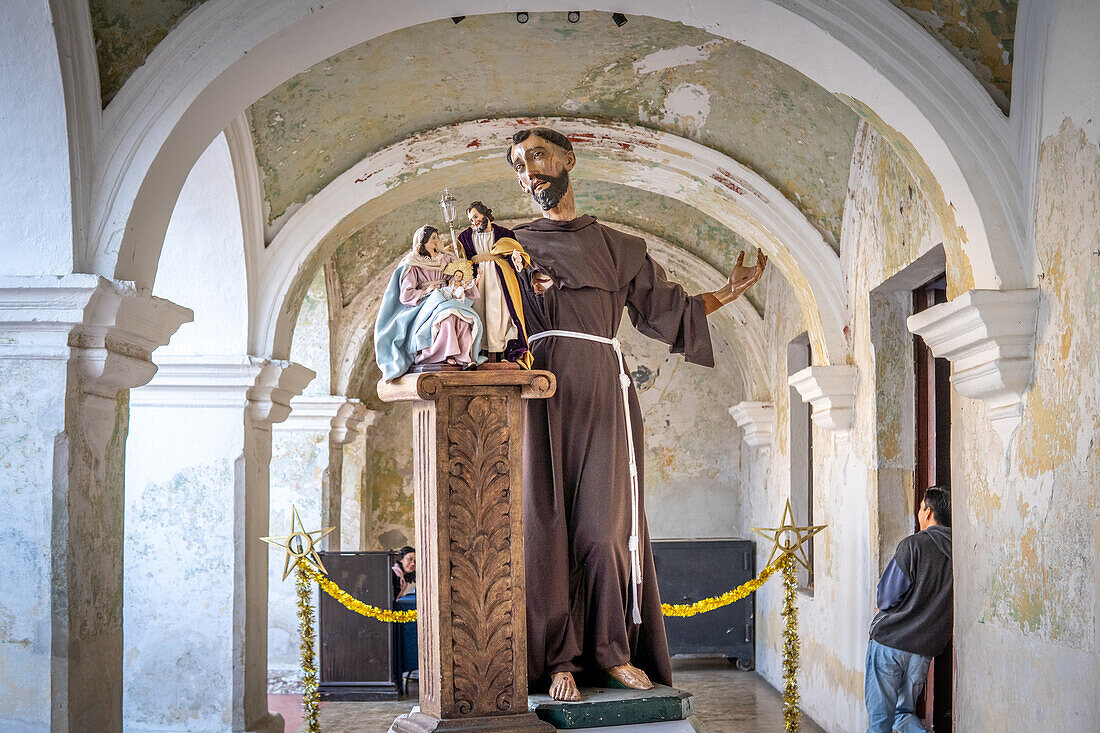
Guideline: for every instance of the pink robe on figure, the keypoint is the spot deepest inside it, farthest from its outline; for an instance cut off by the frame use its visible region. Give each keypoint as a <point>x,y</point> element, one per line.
<point>453,337</point>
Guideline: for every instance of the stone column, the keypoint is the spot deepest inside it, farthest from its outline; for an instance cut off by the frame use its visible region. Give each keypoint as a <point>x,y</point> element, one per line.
<point>70,350</point>
<point>344,427</point>
<point>467,441</point>
<point>188,664</point>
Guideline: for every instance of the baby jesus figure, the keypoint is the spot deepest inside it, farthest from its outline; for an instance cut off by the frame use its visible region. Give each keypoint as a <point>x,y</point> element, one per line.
<point>427,315</point>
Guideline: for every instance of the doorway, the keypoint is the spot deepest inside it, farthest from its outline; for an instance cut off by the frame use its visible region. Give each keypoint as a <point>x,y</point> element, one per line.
<point>933,468</point>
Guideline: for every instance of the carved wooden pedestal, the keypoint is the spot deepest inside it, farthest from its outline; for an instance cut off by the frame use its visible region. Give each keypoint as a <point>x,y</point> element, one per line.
<point>468,436</point>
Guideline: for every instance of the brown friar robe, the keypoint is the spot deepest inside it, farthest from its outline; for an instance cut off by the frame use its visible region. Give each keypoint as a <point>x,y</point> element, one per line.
<point>576,486</point>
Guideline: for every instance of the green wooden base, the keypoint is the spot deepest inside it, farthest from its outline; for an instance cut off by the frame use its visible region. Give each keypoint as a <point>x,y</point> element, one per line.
<point>603,706</point>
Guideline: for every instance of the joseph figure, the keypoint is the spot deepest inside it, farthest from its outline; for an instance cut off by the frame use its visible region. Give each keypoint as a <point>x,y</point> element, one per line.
<point>592,600</point>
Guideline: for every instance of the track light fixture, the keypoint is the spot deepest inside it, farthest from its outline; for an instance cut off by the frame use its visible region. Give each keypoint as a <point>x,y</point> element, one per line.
<point>573,16</point>
<point>522,17</point>
<point>619,18</point>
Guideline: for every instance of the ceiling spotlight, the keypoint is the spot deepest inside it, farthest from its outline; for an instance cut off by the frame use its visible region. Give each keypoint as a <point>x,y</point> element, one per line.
<point>573,16</point>
<point>522,17</point>
<point>458,19</point>
<point>619,18</point>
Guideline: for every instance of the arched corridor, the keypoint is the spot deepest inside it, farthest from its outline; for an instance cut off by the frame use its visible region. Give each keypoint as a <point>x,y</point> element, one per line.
<point>205,199</point>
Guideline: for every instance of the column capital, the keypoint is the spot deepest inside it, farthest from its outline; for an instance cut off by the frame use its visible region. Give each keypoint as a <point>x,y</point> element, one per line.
<point>757,420</point>
<point>110,327</point>
<point>277,382</point>
<point>345,423</point>
<point>989,338</point>
<point>213,380</point>
<point>832,392</point>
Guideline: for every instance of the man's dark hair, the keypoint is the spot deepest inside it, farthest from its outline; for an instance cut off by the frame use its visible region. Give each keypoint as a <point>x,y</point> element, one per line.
<point>481,208</point>
<point>550,136</point>
<point>420,250</point>
<point>938,499</point>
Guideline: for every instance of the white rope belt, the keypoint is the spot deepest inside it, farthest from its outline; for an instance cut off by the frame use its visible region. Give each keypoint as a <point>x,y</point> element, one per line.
<point>635,522</point>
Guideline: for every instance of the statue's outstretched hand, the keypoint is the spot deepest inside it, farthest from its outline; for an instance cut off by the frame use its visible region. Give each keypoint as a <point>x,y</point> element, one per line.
<point>742,278</point>
<point>541,282</point>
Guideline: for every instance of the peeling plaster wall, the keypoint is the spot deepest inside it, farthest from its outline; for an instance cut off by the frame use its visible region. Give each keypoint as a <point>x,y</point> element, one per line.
<point>298,461</point>
<point>861,478</point>
<point>979,33</point>
<point>310,346</point>
<point>650,72</point>
<point>351,494</point>
<point>126,32</point>
<point>1027,619</point>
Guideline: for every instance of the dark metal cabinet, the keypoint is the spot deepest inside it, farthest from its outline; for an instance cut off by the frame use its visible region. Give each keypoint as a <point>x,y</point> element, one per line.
<point>357,653</point>
<point>691,570</point>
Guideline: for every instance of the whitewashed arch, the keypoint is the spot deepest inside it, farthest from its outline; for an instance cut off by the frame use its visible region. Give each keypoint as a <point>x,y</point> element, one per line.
<point>738,324</point>
<point>224,55</point>
<point>650,160</point>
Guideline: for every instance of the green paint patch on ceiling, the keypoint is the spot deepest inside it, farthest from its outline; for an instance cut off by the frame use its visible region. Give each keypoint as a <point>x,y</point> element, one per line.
<point>126,32</point>
<point>980,33</point>
<point>375,244</point>
<point>650,72</point>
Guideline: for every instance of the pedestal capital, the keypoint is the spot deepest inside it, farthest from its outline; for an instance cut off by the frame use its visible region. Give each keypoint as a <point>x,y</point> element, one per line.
<point>989,338</point>
<point>832,392</point>
<point>757,420</point>
<point>277,382</point>
<point>533,384</point>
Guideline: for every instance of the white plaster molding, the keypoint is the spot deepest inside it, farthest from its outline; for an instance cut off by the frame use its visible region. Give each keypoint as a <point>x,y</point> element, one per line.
<point>224,55</point>
<point>110,328</point>
<point>276,384</point>
<point>757,422</point>
<point>199,381</point>
<point>313,412</point>
<point>647,159</point>
<point>989,338</point>
<point>832,392</point>
<point>122,326</point>
<point>250,197</point>
<point>345,423</point>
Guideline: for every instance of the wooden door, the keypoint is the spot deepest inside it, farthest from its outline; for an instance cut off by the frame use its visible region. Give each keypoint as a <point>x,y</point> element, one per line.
<point>933,417</point>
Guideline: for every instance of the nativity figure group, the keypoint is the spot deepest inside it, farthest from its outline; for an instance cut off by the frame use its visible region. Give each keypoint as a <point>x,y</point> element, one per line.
<point>550,294</point>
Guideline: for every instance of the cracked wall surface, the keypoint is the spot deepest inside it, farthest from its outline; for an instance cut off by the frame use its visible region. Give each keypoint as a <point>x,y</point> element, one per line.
<point>649,72</point>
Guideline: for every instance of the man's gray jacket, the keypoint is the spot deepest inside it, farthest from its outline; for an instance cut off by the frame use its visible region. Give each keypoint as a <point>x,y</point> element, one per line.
<point>915,595</point>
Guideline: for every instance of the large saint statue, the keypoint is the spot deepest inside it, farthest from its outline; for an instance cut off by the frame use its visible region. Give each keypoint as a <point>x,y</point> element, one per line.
<point>592,601</point>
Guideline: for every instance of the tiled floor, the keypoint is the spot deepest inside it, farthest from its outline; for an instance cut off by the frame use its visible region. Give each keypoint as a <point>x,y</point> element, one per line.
<point>726,701</point>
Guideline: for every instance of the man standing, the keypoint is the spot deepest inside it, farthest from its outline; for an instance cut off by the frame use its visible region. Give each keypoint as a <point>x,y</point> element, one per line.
<point>504,333</point>
<point>592,600</point>
<point>914,619</point>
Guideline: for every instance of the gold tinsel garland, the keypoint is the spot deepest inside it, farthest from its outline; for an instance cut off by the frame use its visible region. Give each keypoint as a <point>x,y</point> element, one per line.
<point>310,695</point>
<point>354,604</point>
<point>730,596</point>
<point>792,716</point>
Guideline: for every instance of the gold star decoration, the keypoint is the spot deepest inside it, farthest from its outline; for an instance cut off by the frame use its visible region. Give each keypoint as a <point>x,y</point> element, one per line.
<point>789,539</point>
<point>299,544</point>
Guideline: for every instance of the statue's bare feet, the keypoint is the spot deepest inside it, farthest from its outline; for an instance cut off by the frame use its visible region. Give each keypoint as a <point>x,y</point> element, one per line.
<point>630,676</point>
<point>563,687</point>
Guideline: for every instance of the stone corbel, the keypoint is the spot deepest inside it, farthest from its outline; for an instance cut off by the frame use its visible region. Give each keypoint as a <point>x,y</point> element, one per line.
<point>199,381</point>
<point>832,392</point>
<point>989,338</point>
<point>114,344</point>
<point>345,423</point>
<point>314,412</point>
<point>757,420</point>
<point>276,384</point>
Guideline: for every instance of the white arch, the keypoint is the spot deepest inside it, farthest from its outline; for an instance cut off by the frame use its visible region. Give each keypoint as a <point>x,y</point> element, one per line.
<point>659,162</point>
<point>737,324</point>
<point>225,55</point>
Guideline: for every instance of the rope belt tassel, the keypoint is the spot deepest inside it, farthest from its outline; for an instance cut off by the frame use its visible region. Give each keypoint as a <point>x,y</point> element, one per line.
<point>634,544</point>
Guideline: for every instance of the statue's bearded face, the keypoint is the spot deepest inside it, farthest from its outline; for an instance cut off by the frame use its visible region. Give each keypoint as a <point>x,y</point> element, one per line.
<point>479,221</point>
<point>543,170</point>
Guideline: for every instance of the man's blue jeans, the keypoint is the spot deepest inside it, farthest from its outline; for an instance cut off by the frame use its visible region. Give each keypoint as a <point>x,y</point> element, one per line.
<point>892,684</point>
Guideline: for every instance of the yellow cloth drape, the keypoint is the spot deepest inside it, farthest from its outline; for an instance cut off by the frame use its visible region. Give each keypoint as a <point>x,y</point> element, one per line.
<point>501,255</point>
